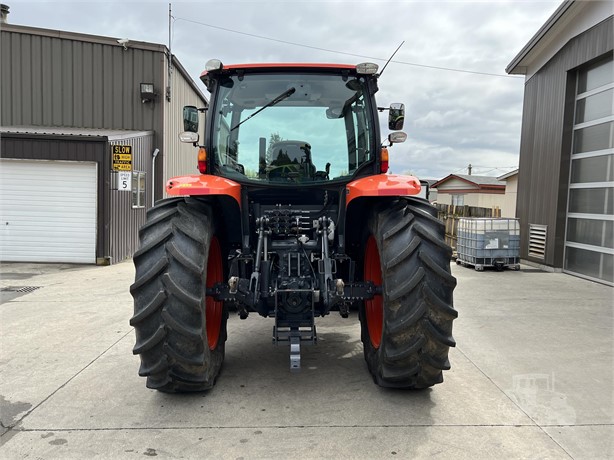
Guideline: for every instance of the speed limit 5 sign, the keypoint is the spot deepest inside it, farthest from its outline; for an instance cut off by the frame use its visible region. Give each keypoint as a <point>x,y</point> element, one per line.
<point>124,181</point>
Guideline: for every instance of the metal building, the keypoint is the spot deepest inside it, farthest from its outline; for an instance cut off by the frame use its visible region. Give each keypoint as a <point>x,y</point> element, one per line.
<point>88,138</point>
<point>565,199</point>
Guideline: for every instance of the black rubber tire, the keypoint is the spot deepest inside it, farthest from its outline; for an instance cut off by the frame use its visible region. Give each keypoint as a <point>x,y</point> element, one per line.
<point>418,311</point>
<point>169,298</point>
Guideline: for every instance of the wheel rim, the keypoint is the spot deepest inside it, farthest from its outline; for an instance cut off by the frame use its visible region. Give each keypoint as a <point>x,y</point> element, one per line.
<point>213,308</point>
<point>374,308</point>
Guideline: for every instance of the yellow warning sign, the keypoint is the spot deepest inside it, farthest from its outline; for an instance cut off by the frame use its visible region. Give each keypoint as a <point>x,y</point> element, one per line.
<point>122,157</point>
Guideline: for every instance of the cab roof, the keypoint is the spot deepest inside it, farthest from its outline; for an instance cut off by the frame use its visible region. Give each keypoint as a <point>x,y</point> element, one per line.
<point>285,66</point>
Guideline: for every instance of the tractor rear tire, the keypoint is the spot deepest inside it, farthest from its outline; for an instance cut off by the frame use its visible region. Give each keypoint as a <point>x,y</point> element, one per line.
<point>407,330</point>
<point>180,333</point>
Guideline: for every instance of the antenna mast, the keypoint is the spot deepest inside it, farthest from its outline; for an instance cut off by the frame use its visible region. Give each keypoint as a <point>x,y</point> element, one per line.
<point>388,62</point>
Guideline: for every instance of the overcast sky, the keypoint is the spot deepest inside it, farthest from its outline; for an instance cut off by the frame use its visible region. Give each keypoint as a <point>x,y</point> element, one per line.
<point>452,118</point>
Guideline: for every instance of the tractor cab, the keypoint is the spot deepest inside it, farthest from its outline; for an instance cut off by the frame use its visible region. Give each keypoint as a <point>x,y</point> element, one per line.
<point>289,124</point>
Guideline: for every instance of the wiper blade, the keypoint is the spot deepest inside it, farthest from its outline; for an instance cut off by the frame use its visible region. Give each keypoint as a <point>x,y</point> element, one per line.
<point>271,103</point>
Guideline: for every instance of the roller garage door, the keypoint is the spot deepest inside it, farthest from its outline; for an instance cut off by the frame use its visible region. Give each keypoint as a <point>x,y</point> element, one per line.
<point>47,211</point>
<point>589,242</point>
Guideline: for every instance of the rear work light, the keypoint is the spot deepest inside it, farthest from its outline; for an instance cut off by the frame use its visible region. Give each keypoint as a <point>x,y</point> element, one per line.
<point>366,68</point>
<point>213,65</point>
<point>384,160</point>
<point>202,160</point>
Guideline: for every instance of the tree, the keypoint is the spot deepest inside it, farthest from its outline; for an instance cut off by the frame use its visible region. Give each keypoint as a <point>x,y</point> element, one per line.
<point>275,137</point>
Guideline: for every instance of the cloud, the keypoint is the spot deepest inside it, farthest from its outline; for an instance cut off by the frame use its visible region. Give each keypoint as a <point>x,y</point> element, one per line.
<point>439,119</point>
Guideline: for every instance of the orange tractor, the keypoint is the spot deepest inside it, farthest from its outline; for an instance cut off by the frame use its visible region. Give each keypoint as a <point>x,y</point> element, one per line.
<point>292,216</point>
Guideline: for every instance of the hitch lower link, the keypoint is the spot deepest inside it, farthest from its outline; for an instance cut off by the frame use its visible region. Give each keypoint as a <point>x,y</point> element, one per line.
<point>294,332</point>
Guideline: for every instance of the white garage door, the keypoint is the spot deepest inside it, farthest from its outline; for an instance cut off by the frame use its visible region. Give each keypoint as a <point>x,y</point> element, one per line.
<point>47,211</point>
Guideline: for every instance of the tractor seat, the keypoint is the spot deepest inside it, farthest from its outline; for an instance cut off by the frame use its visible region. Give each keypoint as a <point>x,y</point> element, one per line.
<point>293,153</point>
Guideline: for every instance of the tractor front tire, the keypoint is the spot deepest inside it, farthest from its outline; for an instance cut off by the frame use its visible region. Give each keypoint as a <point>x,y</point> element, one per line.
<point>180,333</point>
<point>407,330</point>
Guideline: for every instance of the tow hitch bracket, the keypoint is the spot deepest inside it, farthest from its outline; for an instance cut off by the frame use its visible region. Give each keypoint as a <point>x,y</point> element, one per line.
<point>294,331</point>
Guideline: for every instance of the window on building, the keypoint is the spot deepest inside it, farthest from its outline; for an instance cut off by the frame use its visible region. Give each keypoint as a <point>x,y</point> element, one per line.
<point>138,189</point>
<point>589,250</point>
<point>458,200</point>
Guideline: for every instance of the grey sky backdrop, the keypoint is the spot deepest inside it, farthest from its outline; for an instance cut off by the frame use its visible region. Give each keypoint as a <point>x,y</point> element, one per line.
<point>452,118</point>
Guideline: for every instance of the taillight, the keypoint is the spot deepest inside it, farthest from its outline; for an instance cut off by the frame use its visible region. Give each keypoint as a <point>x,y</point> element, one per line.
<point>384,160</point>
<point>202,160</point>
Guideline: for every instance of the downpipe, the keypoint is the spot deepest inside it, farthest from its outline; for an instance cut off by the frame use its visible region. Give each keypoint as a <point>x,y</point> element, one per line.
<point>153,176</point>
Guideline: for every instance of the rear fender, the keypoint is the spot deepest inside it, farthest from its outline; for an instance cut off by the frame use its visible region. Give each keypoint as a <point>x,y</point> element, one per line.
<point>203,185</point>
<point>381,185</point>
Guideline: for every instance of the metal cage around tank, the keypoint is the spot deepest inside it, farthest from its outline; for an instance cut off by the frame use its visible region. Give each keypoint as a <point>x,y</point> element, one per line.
<point>488,242</point>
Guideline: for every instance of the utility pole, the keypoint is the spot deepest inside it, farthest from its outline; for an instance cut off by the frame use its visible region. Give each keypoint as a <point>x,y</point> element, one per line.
<point>469,169</point>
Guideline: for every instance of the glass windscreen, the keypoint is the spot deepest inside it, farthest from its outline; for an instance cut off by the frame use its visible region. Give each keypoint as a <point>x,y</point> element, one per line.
<point>291,128</point>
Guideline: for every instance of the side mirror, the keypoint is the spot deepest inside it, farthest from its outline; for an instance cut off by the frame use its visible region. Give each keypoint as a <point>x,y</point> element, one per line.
<point>190,119</point>
<point>396,116</point>
<point>397,138</point>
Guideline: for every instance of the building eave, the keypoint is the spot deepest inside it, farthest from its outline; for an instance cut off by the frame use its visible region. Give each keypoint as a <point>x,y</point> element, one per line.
<point>480,191</point>
<point>508,175</point>
<point>77,36</point>
<point>453,176</point>
<point>58,132</point>
<point>515,67</point>
<point>481,182</point>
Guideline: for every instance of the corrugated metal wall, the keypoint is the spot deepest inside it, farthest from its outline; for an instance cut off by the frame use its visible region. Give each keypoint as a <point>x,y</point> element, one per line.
<point>64,81</point>
<point>124,220</point>
<point>179,158</point>
<point>546,142</point>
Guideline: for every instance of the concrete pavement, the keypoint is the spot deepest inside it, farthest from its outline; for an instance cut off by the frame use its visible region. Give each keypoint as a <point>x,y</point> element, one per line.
<point>532,377</point>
